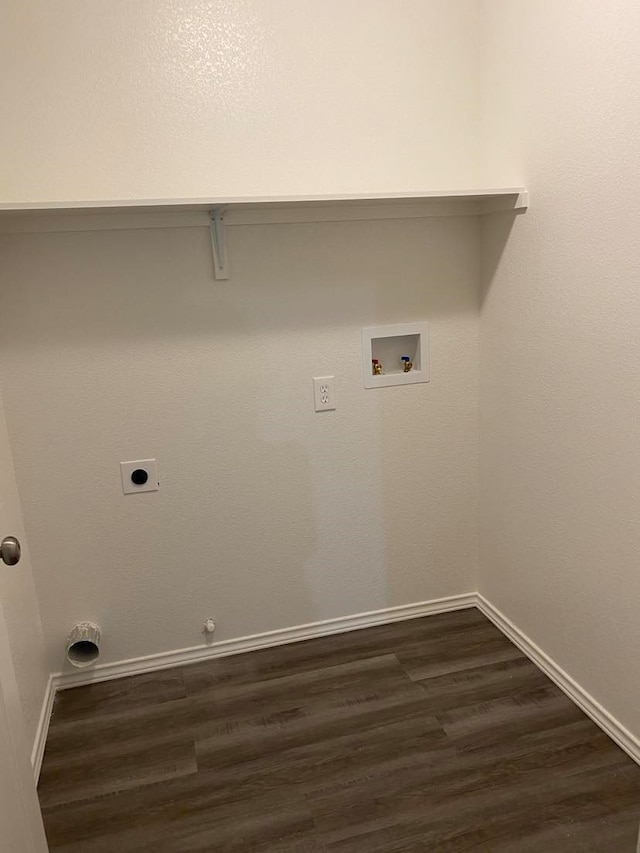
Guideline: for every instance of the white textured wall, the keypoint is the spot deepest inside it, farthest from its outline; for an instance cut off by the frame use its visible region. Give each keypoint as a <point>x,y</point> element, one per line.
<point>119,345</point>
<point>158,98</point>
<point>18,599</point>
<point>560,339</point>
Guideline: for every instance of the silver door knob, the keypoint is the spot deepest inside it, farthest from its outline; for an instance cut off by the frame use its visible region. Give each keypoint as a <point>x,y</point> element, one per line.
<point>10,550</point>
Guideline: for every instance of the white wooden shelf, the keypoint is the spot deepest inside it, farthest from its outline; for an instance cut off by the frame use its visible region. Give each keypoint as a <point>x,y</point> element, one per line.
<point>218,213</point>
<point>507,198</point>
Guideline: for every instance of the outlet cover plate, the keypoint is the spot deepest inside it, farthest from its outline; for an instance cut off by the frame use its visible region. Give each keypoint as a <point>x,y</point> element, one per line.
<point>324,393</point>
<point>148,465</point>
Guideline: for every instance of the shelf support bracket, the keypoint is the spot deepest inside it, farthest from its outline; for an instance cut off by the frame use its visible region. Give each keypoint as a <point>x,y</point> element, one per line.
<point>220,262</point>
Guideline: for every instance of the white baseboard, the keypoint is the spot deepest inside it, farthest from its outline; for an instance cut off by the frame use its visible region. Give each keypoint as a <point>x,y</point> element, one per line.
<point>165,660</point>
<point>224,648</point>
<point>607,722</point>
<point>42,731</point>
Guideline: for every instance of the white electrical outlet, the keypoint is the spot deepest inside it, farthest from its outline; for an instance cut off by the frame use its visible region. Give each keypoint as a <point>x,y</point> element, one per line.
<point>324,393</point>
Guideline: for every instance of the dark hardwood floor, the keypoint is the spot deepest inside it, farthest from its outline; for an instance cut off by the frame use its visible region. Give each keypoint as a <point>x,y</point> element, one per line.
<point>434,734</point>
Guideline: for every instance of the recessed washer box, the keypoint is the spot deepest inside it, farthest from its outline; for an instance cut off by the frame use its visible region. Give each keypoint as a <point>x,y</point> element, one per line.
<point>389,344</point>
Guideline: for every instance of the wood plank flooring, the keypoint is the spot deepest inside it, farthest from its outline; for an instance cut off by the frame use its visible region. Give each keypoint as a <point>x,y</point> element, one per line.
<point>434,734</point>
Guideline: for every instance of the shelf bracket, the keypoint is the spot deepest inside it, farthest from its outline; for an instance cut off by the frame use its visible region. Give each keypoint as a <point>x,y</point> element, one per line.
<point>220,262</point>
